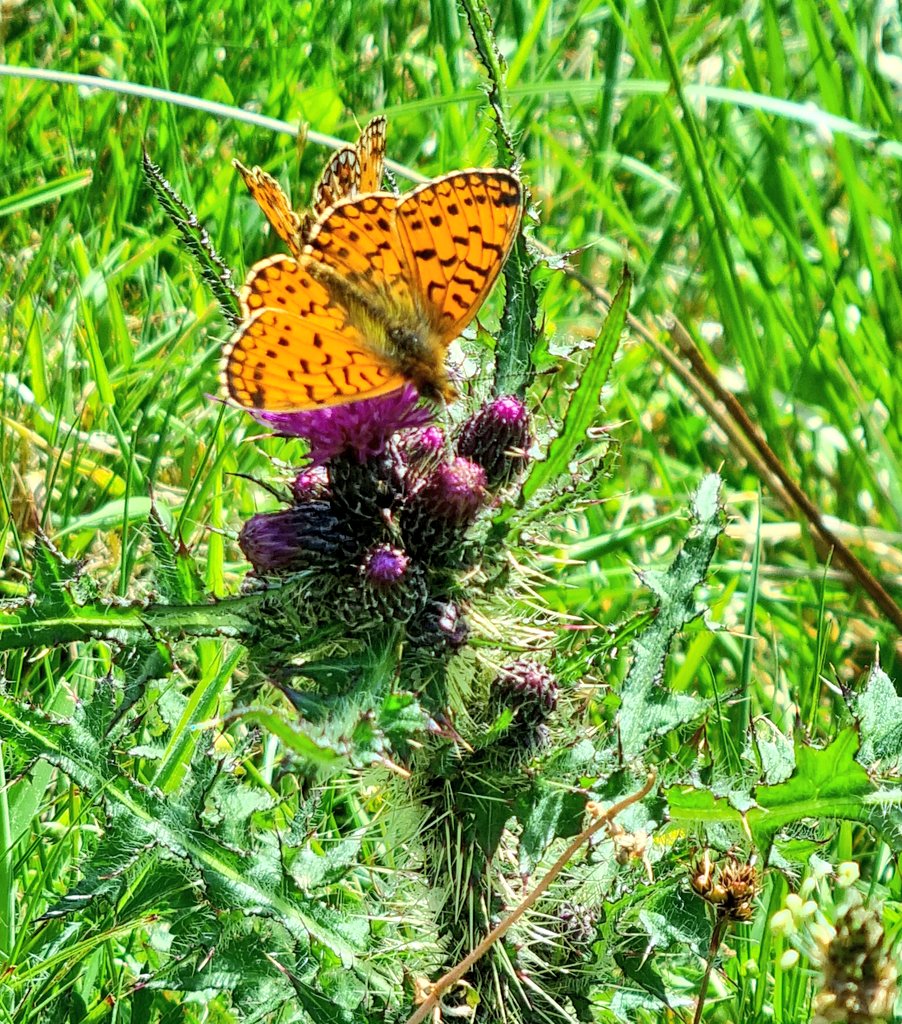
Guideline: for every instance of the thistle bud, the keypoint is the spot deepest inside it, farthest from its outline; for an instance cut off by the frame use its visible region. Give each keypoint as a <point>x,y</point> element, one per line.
<point>496,438</point>
<point>440,628</point>
<point>440,507</point>
<point>385,567</point>
<point>453,492</point>
<point>529,689</point>
<point>393,590</point>
<point>311,484</point>
<point>294,538</point>
<point>577,927</point>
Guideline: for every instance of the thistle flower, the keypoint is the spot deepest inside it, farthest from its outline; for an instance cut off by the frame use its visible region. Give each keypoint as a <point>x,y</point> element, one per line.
<point>440,627</point>
<point>294,538</point>
<point>310,484</point>
<point>576,926</point>
<point>441,505</point>
<point>385,567</point>
<point>425,445</point>
<point>530,692</point>
<point>859,976</point>
<point>394,588</point>
<point>362,428</point>
<point>496,438</point>
<point>529,689</point>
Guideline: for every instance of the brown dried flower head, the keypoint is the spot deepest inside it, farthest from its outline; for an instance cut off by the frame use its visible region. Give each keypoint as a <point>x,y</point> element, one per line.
<point>730,888</point>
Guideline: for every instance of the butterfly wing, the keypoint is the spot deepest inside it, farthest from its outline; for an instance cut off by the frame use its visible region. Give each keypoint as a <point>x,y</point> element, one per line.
<point>296,347</point>
<point>274,204</point>
<point>427,260</point>
<point>371,155</point>
<point>339,180</point>
<point>352,170</point>
<point>457,232</point>
<point>358,244</point>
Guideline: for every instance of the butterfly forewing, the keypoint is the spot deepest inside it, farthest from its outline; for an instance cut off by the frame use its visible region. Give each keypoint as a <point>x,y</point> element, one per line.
<point>457,232</point>
<point>358,242</point>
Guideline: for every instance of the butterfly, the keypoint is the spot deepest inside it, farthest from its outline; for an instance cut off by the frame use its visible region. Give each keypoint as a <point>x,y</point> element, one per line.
<point>376,295</point>
<point>351,171</point>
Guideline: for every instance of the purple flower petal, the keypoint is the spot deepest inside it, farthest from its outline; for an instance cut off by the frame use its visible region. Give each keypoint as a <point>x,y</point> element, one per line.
<point>363,427</point>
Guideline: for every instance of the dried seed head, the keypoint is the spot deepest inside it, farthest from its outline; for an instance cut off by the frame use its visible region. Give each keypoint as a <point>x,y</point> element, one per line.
<point>730,888</point>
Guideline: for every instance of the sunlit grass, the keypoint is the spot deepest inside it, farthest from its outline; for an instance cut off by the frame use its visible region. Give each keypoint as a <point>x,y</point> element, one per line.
<point>745,167</point>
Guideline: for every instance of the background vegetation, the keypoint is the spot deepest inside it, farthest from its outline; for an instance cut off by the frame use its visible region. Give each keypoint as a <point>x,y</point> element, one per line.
<point>745,165</point>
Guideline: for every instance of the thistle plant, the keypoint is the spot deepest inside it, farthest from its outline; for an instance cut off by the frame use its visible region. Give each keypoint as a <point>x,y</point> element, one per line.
<point>399,711</point>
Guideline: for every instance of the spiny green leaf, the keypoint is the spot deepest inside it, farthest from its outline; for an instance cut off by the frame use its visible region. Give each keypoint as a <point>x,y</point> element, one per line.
<point>547,813</point>
<point>879,711</point>
<point>248,880</point>
<point>582,411</point>
<point>828,783</point>
<point>196,240</point>
<point>175,572</point>
<point>647,708</point>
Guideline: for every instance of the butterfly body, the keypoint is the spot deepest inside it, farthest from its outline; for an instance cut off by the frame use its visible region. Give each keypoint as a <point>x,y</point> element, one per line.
<point>374,298</point>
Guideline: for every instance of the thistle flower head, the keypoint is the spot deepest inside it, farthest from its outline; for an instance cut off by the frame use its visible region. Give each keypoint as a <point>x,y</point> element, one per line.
<point>496,438</point>
<point>294,538</point>
<point>453,492</point>
<point>425,445</point>
<point>529,689</point>
<point>310,484</point>
<point>577,927</point>
<point>385,566</point>
<point>440,628</point>
<point>362,428</point>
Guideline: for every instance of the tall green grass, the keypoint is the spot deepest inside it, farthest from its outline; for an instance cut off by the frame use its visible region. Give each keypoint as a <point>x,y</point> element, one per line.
<point>745,165</point>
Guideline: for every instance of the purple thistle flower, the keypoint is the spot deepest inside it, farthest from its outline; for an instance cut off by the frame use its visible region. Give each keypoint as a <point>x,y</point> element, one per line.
<point>497,437</point>
<point>362,427</point>
<point>310,484</point>
<point>385,566</point>
<point>453,492</point>
<point>294,538</point>
<point>424,445</point>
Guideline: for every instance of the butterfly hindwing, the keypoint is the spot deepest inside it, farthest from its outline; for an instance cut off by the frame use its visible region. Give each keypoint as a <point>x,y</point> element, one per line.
<point>371,155</point>
<point>339,180</point>
<point>296,348</point>
<point>274,203</point>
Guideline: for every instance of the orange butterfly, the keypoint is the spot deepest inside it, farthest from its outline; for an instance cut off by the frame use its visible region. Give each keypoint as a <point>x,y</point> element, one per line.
<point>352,171</point>
<point>374,298</point>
